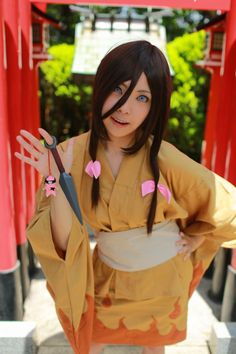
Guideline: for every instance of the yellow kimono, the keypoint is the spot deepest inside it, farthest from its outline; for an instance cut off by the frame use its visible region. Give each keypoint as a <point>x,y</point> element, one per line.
<point>147,307</point>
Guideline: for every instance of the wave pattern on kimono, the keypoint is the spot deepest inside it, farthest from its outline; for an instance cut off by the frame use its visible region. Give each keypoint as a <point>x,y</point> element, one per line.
<point>97,302</point>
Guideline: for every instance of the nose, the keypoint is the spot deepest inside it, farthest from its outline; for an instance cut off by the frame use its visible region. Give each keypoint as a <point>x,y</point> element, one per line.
<point>125,108</point>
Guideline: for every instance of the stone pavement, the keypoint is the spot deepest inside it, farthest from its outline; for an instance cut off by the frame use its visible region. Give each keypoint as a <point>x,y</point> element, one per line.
<point>50,338</point>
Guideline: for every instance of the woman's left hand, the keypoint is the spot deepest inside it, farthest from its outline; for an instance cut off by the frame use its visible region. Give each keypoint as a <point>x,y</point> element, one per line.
<point>188,244</point>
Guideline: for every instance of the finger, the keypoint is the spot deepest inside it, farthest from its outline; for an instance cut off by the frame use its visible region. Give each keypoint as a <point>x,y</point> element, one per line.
<point>25,159</point>
<point>181,250</point>
<point>36,143</point>
<point>184,236</point>
<point>28,147</point>
<point>185,249</point>
<point>181,242</point>
<point>45,135</point>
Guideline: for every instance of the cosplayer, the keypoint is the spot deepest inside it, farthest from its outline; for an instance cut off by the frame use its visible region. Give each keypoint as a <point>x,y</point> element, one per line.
<point>158,217</point>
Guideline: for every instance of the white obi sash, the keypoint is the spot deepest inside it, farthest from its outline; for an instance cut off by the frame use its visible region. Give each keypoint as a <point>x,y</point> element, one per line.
<point>134,250</point>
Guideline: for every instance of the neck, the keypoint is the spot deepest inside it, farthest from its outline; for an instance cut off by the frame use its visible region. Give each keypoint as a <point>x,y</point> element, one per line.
<point>116,144</point>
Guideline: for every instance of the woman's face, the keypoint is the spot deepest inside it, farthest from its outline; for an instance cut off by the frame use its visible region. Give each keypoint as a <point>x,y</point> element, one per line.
<point>124,122</point>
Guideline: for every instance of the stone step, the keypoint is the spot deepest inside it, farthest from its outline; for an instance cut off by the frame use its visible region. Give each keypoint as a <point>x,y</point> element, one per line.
<point>175,349</point>
<point>16,337</point>
<point>223,338</point>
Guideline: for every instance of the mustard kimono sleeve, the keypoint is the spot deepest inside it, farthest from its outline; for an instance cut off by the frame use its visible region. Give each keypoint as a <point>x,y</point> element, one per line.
<point>211,207</point>
<point>69,278</point>
<point>209,203</point>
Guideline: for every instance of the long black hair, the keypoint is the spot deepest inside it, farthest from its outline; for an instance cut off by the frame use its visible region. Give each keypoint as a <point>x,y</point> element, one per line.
<point>127,62</point>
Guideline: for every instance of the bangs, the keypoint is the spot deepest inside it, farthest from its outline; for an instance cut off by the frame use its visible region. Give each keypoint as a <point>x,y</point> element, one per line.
<point>116,68</point>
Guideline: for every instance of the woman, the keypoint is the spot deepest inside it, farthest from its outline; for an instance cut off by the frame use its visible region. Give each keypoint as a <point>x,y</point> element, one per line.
<point>159,217</point>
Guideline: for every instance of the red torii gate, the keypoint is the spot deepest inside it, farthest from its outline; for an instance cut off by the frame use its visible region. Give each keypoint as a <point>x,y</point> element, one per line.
<point>223,5</point>
<point>19,109</point>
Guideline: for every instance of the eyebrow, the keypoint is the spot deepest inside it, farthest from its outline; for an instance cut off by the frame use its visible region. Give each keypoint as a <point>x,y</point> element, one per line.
<point>126,86</point>
<point>144,91</point>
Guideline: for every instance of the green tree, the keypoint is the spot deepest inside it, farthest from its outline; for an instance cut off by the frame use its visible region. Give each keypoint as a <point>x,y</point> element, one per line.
<point>65,107</point>
<point>68,19</point>
<point>189,98</point>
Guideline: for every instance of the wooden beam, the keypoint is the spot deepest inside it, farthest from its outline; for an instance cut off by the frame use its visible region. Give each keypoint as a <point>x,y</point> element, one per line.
<point>183,4</point>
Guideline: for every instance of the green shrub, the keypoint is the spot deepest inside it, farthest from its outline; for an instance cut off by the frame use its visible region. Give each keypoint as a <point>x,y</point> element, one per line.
<point>189,98</point>
<point>65,106</point>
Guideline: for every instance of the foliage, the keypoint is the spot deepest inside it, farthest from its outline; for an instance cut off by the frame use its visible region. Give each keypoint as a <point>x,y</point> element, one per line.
<point>68,19</point>
<point>184,21</point>
<point>188,103</point>
<point>65,106</point>
<point>58,71</point>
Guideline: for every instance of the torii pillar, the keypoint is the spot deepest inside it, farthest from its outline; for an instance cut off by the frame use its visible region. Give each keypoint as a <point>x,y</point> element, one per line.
<point>225,143</point>
<point>10,282</point>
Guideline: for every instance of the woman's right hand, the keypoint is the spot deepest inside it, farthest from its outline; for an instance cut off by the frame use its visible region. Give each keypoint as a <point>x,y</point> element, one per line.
<point>39,153</point>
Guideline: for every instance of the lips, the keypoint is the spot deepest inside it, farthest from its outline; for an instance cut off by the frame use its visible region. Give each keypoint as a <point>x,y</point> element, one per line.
<point>118,121</point>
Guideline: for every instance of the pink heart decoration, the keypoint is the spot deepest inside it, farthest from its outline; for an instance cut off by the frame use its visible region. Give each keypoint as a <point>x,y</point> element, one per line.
<point>165,192</point>
<point>93,168</point>
<point>149,187</point>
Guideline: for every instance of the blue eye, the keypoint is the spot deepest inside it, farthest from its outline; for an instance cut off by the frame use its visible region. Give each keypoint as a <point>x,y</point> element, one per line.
<point>143,98</point>
<point>118,90</point>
